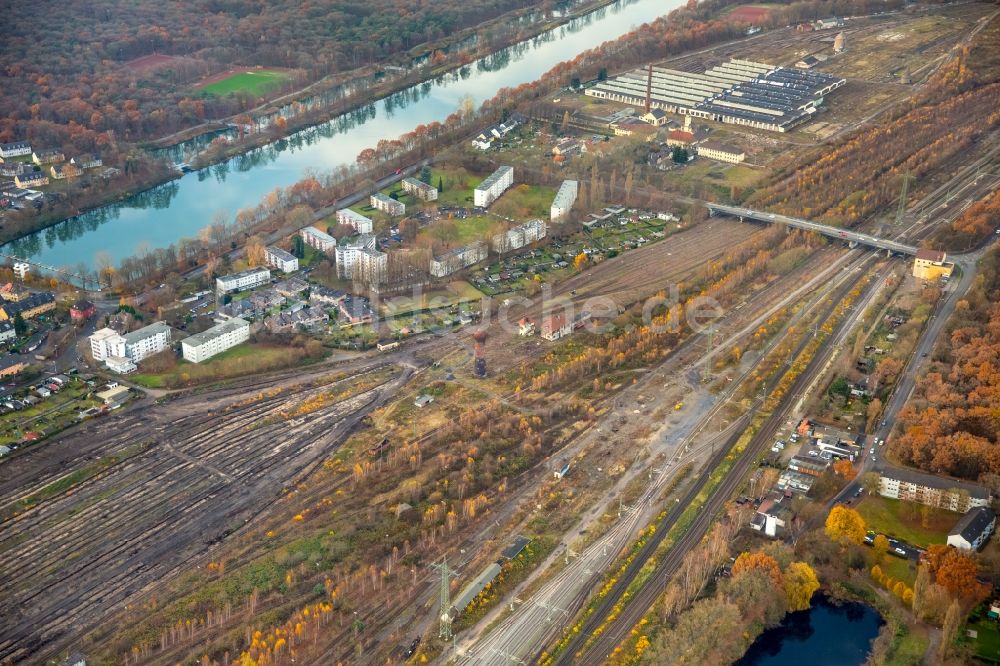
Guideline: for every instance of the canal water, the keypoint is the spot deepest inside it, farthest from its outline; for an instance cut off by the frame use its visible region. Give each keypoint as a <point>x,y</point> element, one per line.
<point>161,216</point>
<point>825,635</point>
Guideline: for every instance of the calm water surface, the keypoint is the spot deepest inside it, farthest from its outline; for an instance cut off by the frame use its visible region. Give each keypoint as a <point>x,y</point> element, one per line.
<point>824,635</point>
<point>163,215</point>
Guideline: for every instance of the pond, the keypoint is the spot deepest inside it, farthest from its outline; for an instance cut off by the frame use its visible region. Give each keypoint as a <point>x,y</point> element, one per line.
<point>830,634</point>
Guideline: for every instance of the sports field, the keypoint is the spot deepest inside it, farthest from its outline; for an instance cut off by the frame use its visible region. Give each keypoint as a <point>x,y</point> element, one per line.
<point>253,82</point>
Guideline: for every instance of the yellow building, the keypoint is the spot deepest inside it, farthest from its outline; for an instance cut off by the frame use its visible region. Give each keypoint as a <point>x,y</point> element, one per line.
<point>722,152</point>
<point>931,265</point>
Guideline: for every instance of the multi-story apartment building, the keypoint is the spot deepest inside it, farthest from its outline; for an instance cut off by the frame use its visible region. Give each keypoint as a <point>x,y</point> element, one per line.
<point>317,239</point>
<point>565,198</point>
<point>937,491</point>
<point>387,205</point>
<point>219,338</point>
<point>495,184</point>
<point>361,224</point>
<point>243,280</point>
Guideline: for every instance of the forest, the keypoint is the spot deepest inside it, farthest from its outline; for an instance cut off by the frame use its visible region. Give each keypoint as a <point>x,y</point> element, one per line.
<point>951,423</point>
<point>129,67</point>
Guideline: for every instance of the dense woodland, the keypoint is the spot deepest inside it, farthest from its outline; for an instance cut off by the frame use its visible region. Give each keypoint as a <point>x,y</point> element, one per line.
<point>69,76</point>
<point>952,423</point>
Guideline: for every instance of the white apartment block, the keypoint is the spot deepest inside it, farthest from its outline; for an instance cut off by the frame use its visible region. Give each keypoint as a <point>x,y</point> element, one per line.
<point>371,267</point>
<point>458,259</point>
<point>286,262</point>
<point>495,184</point>
<point>15,149</point>
<point>519,236</point>
<point>348,254</point>
<point>147,341</point>
<point>387,205</point>
<point>219,338</point>
<point>361,224</point>
<point>250,279</point>
<point>317,239</point>
<point>420,189</point>
<point>565,198</point>
<point>106,343</point>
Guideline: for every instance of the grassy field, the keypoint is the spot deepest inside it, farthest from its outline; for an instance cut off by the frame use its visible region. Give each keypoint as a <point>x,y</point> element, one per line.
<point>899,569</point>
<point>453,294</point>
<point>986,644</point>
<point>906,521</point>
<point>240,360</point>
<point>256,83</point>
<point>524,201</point>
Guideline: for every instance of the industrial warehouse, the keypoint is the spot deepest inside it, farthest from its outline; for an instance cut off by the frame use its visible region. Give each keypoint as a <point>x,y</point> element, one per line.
<point>739,92</point>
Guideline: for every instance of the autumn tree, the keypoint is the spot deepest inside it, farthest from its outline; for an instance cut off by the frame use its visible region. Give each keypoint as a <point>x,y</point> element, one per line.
<point>949,630</point>
<point>844,469</point>
<point>579,261</point>
<point>880,547</point>
<point>957,574</point>
<point>800,585</point>
<point>761,561</point>
<point>845,525</point>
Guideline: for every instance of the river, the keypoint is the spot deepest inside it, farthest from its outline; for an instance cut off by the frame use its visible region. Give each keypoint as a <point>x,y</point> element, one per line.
<point>180,208</point>
<point>826,634</point>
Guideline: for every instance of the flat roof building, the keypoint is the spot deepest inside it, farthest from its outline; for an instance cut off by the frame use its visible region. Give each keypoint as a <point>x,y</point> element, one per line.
<point>937,491</point>
<point>147,341</point>
<point>243,280</point>
<point>564,200</point>
<point>519,236</point>
<point>361,224</point>
<point>317,239</point>
<point>723,152</point>
<point>420,189</point>
<point>493,186</point>
<point>459,258</point>
<point>286,262</point>
<point>202,346</point>
<point>387,204</point>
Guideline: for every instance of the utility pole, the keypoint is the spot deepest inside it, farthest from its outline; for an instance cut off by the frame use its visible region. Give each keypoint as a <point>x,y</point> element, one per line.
<point>447,573</point>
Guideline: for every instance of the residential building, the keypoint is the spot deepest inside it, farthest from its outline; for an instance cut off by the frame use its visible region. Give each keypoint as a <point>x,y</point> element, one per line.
<point>565,198</point>
<point>348,252</point>
<point>291,287</point>
<point>680,138</point>
<point>317,239</point>
<point>791,480</point>
<point>931,265</point>
<point>356,310</point>
<point>7,332</point>
<point>459,258</point>
<point>361,224</point>
<point>147,341</point>
<point>420,189</point>
<point>48,156</point>
<point>525,328</point>
<point>284,261</point>
<point>82,310</point>
<point>15,149</point>
<point>292,321</point>
<point>938,491</point>
<point>370,267</point>
<point>14,292</point>
<point>973,529</point>
<point>484,140</point>
<point>21,269</point>
<point>772,516</point>
<point>87,161</point>
<point>120,364</point>
<point>519,236</point>
<point>105,343</point>
<point>655,117</point>
<point>387,204</point>
<point>32,306</point>
<point>325,297</point>
<point>723,152</point>
<point>114,396</point>
<point>10,366</point>
<point>556,326</point>
<point>203,346</point>
<point>31,178</point>
<point>810,466</point>
<point>567,147</point>
<point>243,280</point>
<point>632,127</point>
<point>60,171</point>
<point>493,186</point>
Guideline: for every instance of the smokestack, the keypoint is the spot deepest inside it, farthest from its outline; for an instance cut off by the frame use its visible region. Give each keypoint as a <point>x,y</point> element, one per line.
<point>479,358</point>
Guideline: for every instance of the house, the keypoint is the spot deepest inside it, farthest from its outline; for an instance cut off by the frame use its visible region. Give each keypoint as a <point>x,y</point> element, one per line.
<point>323,296</point>
<point>795,481</point>
<point>292,321</point>
<point>61,171</point>
<point>420,189</point>
<point>655,117</point>
<point>564,200</point>
<point>567,147</point>
<point>29,307</point>
<point>243,280</point>
<point>387,204</point>
<point>361,224</point>
<point>938,491</point>
<point>423,400</point>
<point>493,186</point>
<point>483,141</point>
<point>31,178</point>
<point>457,259</point>
<point>82,310</point>
<point>810,466</point>
<point>319,240</point>
<point>723,152</point>
<point>973,529</point>
<point>525,327</point>
<point>10,366</point>
<point>48,156</point>
<point>202,346</point>
<point>930,265</point>
<point>772,516</point>
<point>122,365</point>
<point>284,261</point>
<point>356,310</point>
<point>114,396</point>
<point>87,161</point>
<point>15,149</point>
<point>632,127</point>
<point>7,332</point>
<point>43,392</point>
<point>556,326</point>
<point>14,292</point>
<point>680,138</point>
<point>291,287</point>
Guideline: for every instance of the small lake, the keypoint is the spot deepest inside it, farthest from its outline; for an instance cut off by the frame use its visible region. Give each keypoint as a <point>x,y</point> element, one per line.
<point>827,634</point>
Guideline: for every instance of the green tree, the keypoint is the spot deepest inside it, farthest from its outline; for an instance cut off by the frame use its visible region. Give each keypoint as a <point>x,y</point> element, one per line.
<point>679,155</point>
<point>840,387</point>
<point>20,326</point>
<point>298,246</point>
<point>440,184</point>
<point>425,174</point>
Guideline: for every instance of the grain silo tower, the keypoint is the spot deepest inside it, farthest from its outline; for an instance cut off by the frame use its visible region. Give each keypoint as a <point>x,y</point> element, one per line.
<point>838,43</point>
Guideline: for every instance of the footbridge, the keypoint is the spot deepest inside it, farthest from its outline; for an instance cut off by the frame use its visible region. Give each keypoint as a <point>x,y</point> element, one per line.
<point>847,235</point>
